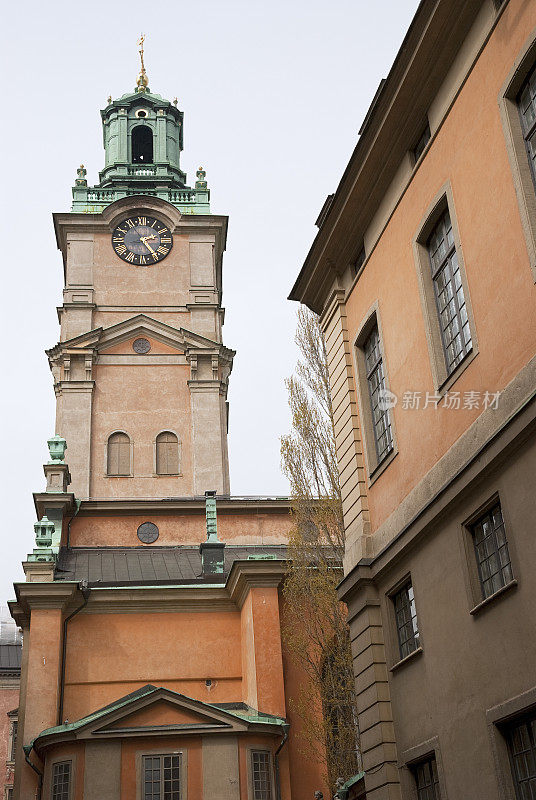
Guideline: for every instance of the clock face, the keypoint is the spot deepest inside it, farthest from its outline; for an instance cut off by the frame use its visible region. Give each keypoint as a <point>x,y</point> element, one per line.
<point>142,240</point>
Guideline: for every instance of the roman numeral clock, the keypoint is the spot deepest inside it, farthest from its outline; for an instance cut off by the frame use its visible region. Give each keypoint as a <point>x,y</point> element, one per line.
<point>142,240</point>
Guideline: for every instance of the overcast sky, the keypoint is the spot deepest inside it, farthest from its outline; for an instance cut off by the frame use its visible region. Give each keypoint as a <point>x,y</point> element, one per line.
<point>273,95</point>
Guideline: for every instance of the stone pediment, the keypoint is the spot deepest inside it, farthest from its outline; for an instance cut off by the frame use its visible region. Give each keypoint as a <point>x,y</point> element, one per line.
<point>101,339</point>
<point>157,711</point>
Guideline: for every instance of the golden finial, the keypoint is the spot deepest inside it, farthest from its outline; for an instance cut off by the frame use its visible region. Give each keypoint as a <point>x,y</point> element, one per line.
<point>143,80</point>
<point>175,101</point>
<point>109,99</point>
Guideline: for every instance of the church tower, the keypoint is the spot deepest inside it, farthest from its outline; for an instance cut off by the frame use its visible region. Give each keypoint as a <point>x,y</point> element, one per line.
<point>140,372</point>
<point>153,662</point>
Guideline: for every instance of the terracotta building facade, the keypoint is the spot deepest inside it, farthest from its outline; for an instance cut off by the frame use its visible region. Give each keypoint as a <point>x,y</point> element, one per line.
<point>153,662</point>
<point>10,662</point>
<point>423,272</point>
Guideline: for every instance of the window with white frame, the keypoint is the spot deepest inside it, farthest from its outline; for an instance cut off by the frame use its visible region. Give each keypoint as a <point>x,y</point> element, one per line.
<point>61,780</point>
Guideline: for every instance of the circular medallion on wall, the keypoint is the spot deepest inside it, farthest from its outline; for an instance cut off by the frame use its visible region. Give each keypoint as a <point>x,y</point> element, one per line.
<point>141,345</point>
<point>148,532</point>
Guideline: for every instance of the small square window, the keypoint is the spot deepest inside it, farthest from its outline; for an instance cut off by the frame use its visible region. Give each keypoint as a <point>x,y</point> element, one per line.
<point>406,620</point>
<point>426,780</point>
<point>521,739</point>
<point>491,549</point>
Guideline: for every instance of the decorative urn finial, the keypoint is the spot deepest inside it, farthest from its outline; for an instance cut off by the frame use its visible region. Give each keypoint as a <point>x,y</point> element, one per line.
<point>201,182</point>
<point>57,447</point>
<point>143,81</point>
<point>81,173</point>
<point>43,532</point>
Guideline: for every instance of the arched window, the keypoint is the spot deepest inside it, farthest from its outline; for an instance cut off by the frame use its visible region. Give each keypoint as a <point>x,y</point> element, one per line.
<point>118,454</point>
<point>167,454</point>
<point>142,145</point>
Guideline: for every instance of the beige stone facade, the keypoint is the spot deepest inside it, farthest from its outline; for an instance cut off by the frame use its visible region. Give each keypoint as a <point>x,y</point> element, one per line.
<point>104,386</point>
<point>429,507</point>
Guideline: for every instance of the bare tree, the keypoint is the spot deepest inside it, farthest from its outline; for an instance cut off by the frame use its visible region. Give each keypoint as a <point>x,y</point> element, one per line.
<point>315,629</point>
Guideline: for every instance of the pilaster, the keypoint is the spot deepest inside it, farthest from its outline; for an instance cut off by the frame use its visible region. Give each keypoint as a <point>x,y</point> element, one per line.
<point>209,438</point>
<point>375,717</point>
<point>348,442</point>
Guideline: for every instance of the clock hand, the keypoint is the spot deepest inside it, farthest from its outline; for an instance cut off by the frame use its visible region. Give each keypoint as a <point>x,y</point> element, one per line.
<point>148,246</point>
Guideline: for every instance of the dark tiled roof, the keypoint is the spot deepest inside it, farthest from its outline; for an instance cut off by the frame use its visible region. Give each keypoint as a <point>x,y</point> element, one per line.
<point>10,657</point>
<point>125,565</point>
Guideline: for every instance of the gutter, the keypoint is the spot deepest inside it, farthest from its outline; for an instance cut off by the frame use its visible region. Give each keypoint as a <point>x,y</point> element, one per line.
<point>27,749</point>
<point>286,728</point>
<point>86,591</point>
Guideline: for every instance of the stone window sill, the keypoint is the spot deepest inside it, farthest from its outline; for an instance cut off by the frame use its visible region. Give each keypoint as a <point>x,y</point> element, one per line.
<point>379,468</point>
<point>494,596</point>
<point>407,658</point>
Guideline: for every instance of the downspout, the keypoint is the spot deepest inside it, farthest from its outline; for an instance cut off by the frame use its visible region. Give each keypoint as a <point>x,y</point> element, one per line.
<point>78,504</point>
<point>86,591</point>
<point>286,728</point>
<point>27,749</point>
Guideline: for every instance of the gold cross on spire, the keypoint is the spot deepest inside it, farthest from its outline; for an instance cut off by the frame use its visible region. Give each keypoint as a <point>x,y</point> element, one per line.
<point>143,80</point>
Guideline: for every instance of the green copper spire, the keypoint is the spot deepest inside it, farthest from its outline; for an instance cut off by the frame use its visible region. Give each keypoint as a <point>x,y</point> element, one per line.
<point>143,139</point>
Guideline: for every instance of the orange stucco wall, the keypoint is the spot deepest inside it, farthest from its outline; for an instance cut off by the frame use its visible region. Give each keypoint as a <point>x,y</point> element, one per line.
<point>110,655</point>
<point>493,247</point>
<point>162,403</point>
<point>236,529</point>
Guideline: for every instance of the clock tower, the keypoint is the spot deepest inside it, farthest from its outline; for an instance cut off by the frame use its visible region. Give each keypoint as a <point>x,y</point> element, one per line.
<point>141,372</point>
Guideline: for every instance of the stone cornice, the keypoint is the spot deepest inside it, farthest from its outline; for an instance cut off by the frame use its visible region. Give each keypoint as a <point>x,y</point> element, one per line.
<point>59,595</point>
<point>43,500</point>
<point>387,133</point>
<point>185,505</point>
<point>246,575</point>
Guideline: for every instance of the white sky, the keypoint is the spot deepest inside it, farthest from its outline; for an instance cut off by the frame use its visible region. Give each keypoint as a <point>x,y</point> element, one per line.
<point>273,94</point>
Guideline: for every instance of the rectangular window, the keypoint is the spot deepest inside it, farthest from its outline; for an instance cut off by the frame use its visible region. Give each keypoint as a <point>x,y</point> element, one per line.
<point>261,775</point>
<point>421,144</point>
<point>426,780</point>
<point>448,289</point>
<point>14,726</point>
<point>527,110</point>
<point>406,620</point>
<point>381,423</point>
<point>522,749</point>
<point>61,780</point>
<point>161,777</point>
<point>9,794</point>
<point>491,548</point>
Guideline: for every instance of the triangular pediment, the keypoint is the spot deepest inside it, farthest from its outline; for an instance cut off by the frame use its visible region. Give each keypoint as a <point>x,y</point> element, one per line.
<point>157,711</point>
<point>141,326</point>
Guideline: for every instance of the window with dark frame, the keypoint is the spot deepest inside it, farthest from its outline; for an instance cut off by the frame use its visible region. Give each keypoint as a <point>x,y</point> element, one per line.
<point>521,738</point>
<point>406,620</point>
<point>161,777</point>
<point>167,453</point>
<point>424,138</point>
<point>261,775</point>
<point>118,454</point>
<point>527,110</point>
<point>449,294</point>
<point>381,423</point>
<point>61,780</point>
<point>14,727</point>
<point>491,548</point>
<point>9,794</point>
<point>358,263</point>
<point>426,780</point>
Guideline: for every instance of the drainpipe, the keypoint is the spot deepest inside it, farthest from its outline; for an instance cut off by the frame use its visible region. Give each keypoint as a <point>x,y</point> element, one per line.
<point>27,749</point>
<point>86,591</point>
<point>286,728</point>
